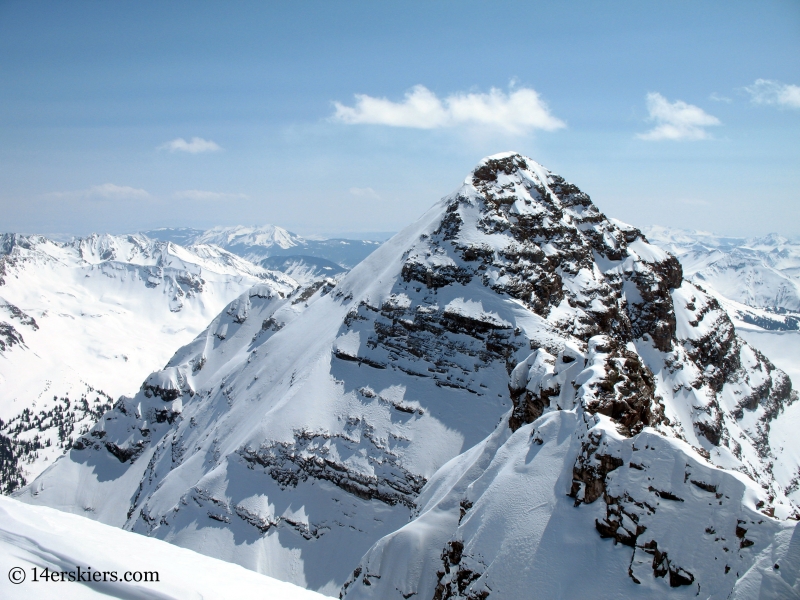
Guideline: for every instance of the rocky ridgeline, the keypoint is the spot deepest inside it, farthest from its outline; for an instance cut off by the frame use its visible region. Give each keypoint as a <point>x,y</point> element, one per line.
<point>321,419</point>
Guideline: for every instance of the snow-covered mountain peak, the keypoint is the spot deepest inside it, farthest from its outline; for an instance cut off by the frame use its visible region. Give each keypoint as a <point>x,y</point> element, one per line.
<point>512,321</point>
<point>771,240</point>
<point>508,163</point>
<point>266,236</point>
<point>98,248</point>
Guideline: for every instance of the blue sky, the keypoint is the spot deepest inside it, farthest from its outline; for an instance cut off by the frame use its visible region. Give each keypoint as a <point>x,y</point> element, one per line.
<point>331,117</point>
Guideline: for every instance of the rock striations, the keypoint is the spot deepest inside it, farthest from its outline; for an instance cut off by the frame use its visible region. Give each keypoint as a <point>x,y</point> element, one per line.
<point>512,391</point>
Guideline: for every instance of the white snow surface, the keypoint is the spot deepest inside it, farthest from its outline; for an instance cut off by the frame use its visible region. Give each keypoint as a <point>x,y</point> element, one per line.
<point>297,433</point>
<point>43,538</point>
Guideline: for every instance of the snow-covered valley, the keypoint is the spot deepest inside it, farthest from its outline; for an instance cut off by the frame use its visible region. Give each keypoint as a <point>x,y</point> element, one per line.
<point>512,390</point>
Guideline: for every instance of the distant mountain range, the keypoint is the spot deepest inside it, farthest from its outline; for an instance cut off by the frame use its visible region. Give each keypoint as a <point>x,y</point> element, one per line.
<point>258,243</point>
<point>84,321</point>
<point>756,272</point>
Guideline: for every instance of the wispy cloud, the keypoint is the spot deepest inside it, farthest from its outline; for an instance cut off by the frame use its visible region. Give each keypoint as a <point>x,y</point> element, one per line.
<point>106,191</point>
<point>719,98</point>
<point>195,146</point>
<point>366,192</point>
<point>676,120</point>
<point>768,91</point>
<point>203,195</point>
<point>519,111</point>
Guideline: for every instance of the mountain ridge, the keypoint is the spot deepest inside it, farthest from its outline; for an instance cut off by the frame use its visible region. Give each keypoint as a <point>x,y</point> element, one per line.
<point>82,322</point>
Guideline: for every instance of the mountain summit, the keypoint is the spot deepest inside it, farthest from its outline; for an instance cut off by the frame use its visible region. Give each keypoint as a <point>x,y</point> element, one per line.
<point>514,373</point>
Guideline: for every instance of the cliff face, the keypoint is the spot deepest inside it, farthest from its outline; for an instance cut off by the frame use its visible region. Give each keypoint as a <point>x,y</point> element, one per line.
<point>297,431</point>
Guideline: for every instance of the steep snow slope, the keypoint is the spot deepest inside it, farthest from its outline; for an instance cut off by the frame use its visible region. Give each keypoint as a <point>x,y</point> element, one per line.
<point>510,518</point>
<point>290,439</point>
<point>42,538</point>
<point>85,321</point>
<point>258,243</point>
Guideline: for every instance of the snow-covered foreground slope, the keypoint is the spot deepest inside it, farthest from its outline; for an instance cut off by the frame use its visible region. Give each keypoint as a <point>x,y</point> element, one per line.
<point>259,243</point>
<point>83,322</point>
<point>296,433</point>
<point>43,538</point>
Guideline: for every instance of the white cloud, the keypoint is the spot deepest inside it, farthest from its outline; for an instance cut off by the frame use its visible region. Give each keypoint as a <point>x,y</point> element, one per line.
<point>366,192</point>
<point>517,112</point>
<point>195,146</point>
<point>768,91</point>
<point>676,120</point>
<point>204,195</point>
<point>106,191</point>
